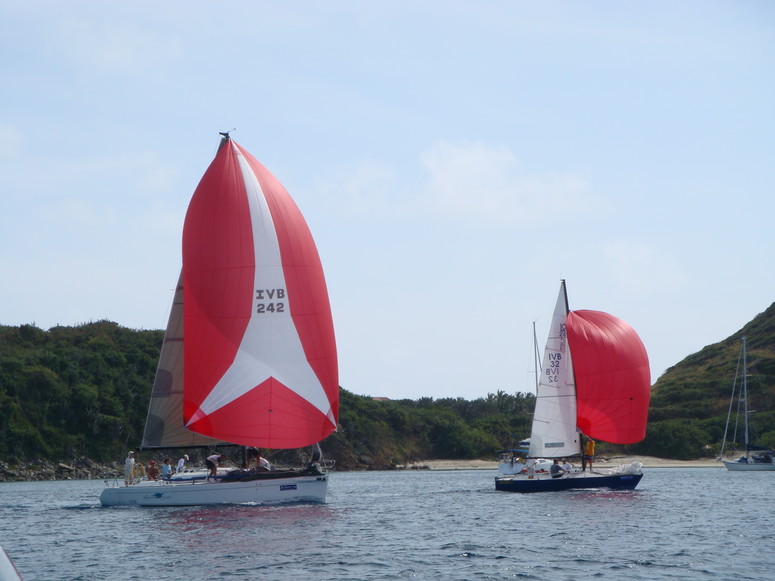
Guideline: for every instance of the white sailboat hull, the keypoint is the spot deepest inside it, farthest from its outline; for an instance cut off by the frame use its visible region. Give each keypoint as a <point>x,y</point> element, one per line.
<point>310,488</point>
<point>735,466</point>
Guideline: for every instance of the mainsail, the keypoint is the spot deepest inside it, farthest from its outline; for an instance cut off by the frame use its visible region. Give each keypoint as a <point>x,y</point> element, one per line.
<point>164,425</point>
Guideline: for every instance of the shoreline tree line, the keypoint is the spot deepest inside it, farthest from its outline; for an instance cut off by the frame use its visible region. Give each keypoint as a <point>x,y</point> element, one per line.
<point>82,392</point>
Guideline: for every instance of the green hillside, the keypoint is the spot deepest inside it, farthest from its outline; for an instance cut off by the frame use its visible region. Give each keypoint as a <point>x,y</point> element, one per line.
<point>74,391</point>
<point>689,402</point>
<point>82,392</point>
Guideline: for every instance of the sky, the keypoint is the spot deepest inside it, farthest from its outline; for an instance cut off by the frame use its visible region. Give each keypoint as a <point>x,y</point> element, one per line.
<point>454,161</point>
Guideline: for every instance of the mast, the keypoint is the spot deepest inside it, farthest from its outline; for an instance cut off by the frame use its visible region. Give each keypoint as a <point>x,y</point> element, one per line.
<point>741,397</point>
<point>536,355</point>
<point>745,396</point>
<point>225,138</point>
<point>581,441</point>
<point>565,292</point>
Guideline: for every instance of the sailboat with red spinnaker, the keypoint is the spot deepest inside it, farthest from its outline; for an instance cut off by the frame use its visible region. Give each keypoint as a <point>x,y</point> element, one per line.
<point>595,382</point>
<point>249,357</point>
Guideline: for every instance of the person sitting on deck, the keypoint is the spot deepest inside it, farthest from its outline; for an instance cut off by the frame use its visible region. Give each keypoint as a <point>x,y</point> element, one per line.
<point>556,470</point>
<point>153,470</point>
<point>262,463</point>
<point>166,469</point>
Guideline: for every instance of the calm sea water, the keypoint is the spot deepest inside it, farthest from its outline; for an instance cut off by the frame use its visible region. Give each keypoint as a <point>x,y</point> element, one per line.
<point>679,524</point>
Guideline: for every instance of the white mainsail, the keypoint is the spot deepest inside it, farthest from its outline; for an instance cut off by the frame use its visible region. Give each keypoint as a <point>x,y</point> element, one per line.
<point>554,431</point>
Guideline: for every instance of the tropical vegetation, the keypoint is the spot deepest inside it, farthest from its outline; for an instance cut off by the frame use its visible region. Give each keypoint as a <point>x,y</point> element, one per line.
<point>82,391</point>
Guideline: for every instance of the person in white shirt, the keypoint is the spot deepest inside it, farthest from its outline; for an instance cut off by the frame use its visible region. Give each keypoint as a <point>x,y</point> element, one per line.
<point>212,463</point>
<point>129,468</point>
<point>182,463</point>
<point>531,467</point>
<point>261,462</point>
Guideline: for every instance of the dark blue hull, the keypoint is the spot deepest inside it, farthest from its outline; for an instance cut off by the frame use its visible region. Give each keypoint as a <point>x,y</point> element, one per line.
<point>523,484</point>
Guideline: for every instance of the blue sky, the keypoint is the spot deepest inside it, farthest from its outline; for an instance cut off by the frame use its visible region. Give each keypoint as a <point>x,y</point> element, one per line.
<point>454,160</point>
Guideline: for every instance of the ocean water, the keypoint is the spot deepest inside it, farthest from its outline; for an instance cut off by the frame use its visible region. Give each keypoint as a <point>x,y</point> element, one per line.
<point>679,524</point>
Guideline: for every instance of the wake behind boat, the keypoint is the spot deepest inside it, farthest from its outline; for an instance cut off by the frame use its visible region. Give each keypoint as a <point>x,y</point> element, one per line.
<point>595,381</point>
<point>249,355</point>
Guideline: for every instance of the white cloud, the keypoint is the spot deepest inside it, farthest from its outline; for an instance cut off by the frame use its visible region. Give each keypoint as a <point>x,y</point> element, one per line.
<point>364,191</point>
<point>488,183</point>
<point>474,181</point>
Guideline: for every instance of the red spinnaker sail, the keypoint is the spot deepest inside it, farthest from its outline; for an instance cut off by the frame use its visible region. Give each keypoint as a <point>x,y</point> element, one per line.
<point>613,381</point>
<point>260,365</point>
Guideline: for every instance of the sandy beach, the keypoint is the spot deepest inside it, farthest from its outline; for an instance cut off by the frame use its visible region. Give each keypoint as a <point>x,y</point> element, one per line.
<point>647,461</point>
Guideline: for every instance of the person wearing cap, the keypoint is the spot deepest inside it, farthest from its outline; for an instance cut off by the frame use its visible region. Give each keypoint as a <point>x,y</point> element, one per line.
<point>153,470</point>
<point>129,468</point>
<point>182,463</point>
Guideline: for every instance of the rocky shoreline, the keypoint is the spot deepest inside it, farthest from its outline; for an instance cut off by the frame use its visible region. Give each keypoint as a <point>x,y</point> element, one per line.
<point>87,469</point>
<point>76,469</point>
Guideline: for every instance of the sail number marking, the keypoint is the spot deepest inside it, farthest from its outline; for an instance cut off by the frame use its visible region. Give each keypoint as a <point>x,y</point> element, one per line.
<point>269,300</point>
<point>555,359</point>
<point>552,372</point>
